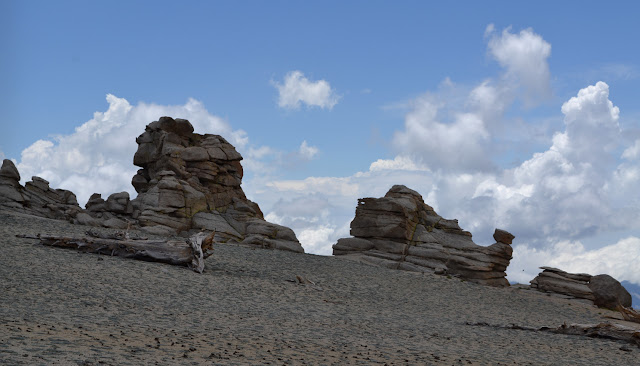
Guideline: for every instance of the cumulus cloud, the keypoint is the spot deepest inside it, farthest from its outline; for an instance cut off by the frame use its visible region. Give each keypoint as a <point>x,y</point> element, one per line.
<point>524,56</point>
<point>97,157</point>
<point>297,89</point>
<point>457,144</point>
<point>1,155</point>
<point>306,151</point>
<point>618,260</point>
<point>400,162</point>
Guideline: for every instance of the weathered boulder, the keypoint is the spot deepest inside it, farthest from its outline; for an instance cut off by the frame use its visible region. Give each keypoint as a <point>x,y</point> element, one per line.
<point>603,290</point>
<point>400,231</point>
<point>608,292</point>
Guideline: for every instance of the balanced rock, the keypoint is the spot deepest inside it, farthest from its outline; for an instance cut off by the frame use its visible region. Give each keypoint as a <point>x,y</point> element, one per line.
<point>401,231</point>
<point>603,290</point>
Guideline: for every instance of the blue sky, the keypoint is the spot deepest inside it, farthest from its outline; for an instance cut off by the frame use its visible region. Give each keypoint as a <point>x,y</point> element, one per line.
<point>470,104</point>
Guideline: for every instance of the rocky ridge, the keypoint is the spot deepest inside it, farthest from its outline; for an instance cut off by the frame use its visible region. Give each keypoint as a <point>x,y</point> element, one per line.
<point>603,290</point>
<point>187,182</point>
<point>401,231</point>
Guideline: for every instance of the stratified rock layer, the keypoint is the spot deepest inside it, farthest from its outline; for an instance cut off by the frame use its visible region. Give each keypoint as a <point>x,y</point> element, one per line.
<point>603,290</point>
<point>400,231</point>
<point>192,181</point>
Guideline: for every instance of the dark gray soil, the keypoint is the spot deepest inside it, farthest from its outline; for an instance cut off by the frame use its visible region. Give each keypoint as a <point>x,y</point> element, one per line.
<point>61,307</point>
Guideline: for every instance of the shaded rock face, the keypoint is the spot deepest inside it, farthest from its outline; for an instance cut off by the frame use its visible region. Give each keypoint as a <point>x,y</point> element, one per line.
<point>603,290</point>
<point>36,197</point>
<point>187,181</point>
<point>400,231</point>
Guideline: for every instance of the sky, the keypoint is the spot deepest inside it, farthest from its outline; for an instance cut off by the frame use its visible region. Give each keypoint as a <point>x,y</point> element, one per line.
<point>519,116</point>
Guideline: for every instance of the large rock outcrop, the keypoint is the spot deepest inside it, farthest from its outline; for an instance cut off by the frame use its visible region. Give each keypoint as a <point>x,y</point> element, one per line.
<point>604,290</point>
<point>192,181</point>
<point>400,231</point>
<point>187,182</point>
<point>36,197</point>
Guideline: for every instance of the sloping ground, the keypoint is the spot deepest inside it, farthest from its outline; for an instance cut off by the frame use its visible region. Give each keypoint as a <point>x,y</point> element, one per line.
<point>63,308</point>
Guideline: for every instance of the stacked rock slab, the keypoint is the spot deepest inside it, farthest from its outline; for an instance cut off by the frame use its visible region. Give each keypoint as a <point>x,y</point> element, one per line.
<point>603,290</point>
<point>36,197</point>
<point>192,181</point>
<point>400,231</point>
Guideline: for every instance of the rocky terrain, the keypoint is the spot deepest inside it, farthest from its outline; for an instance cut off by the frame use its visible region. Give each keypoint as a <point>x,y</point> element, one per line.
<point>401,231</point>
<point>187,182</point>
<point>270,307</point>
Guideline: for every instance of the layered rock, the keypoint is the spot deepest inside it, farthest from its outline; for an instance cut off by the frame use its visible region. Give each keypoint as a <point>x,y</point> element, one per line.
<point>36,197</point>
<point>192,181</point>
<point>401,231</point>
<point>603,290</point>
<point>187,182</point>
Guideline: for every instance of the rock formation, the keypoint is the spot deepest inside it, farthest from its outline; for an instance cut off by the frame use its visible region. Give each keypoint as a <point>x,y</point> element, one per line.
<point>36,197</point>
<point>603,290</point>
<point>188,182</point>
<point>192,181</point>
<point>400,231</point>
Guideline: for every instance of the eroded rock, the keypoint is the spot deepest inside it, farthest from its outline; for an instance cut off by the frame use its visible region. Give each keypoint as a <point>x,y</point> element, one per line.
<point>603,290</point>
<point>400,231</point>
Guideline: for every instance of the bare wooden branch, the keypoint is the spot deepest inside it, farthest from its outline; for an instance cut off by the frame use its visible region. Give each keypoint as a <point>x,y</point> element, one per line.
<point>191,252</point>
<point>602,330</point>
<point>629,314</point>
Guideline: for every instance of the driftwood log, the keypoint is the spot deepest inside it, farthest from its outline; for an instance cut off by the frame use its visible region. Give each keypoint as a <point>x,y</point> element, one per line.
<point>192,252</point>
<point>615,332</point>
<point>629,314</point>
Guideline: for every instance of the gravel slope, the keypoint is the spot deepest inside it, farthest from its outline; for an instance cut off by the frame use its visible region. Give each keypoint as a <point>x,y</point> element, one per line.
<point>61,307</point>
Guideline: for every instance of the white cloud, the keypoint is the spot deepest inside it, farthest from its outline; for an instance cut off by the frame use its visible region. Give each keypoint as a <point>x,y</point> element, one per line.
<point>619,260</point>
<point>524,55</point>
<point>632,152</point>
<point>398,163</point>
<point>1,155</point>
<point>458,144</point>
<point>97,157</point>
<point>307,152</point>
<point>297,89</point>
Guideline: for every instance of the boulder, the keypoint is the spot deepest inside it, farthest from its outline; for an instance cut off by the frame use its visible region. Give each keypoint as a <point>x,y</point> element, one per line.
<point>608,292</point>
<point>401,231</point>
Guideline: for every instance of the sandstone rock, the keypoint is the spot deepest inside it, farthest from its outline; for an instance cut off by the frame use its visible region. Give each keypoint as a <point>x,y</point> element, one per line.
<point>187,181</point>
<point>36,197</point>
<point>192,181</point>
<point>502,236</point>
<point>608,292</point>
<point>400,231</point>
<point>603,289</point>
<point>9,171</point>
